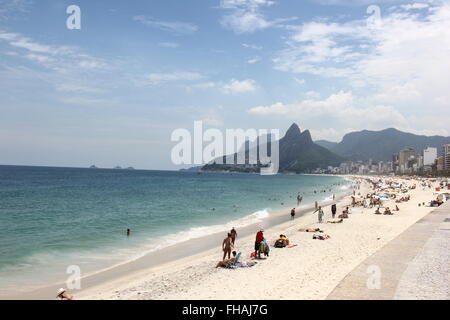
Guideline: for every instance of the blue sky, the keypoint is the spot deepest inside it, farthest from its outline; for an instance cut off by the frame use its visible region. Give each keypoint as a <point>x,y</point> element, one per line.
<point>112,93</point>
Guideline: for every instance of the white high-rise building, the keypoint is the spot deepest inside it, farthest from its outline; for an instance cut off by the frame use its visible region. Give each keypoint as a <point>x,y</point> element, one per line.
<point>429,156</point>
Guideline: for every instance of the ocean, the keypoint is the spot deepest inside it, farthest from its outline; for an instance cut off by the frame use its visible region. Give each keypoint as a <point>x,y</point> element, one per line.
<point>52,218</point>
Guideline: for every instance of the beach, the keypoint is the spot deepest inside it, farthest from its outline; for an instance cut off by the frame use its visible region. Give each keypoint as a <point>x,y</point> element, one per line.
<point>310,270</point>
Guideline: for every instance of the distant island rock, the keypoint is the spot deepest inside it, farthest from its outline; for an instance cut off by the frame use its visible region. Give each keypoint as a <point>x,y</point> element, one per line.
<point>93,167</point>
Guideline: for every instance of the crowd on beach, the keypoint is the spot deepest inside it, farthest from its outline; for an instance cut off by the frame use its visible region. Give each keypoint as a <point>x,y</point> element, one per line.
<point>382,190</point>
<point>377,193</point>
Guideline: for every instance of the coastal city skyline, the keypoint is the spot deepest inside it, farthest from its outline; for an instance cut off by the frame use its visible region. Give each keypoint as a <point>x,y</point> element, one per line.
<point>113,91</point>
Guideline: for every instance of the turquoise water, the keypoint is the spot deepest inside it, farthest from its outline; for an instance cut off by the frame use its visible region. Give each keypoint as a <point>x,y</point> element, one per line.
<point>55,217</point>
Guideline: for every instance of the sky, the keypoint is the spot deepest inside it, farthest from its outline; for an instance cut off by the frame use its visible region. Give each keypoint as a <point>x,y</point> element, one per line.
<point>112,92</point>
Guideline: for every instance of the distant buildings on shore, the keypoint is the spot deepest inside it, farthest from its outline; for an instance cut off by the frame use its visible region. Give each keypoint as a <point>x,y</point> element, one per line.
<point>406,161</point>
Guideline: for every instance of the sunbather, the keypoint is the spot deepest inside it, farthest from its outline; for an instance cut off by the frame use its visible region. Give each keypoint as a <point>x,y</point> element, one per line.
<point>282,242</point>
<point>344,215</point>
<point>321,236</point>
<point>311,230</point>
<point>336,221</point>
<point>226,262</point>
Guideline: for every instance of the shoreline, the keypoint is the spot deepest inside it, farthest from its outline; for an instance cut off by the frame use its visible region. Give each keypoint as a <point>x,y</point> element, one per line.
<point>170,254</point>
<point>309,271</point>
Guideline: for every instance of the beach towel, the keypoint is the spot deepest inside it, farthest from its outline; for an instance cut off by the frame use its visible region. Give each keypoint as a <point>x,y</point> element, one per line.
<point>292,246</point>
<point>248,264</point>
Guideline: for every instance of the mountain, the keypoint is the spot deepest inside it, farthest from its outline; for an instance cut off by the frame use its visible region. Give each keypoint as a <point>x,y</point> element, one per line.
<point>381,145</point>
<point>298,153</point>
<point>326,144</point>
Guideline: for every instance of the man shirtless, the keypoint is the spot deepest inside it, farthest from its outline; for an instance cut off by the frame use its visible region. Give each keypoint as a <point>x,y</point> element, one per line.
<point>226,246</point>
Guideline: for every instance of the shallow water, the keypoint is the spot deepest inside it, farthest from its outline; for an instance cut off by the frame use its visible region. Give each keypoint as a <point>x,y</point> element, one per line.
<point>52,218</point>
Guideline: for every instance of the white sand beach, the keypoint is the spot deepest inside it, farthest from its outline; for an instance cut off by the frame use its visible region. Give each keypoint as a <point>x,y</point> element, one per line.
<point>310,270</point>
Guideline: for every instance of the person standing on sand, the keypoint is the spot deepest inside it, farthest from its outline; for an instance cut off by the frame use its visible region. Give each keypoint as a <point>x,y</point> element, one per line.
<point>333,210</point>
<point>320,214</point>
<point>293,213</point>
<point>233,235</point>
<point>259,238</point>
<point>226,246</point>
<point>316,204</point>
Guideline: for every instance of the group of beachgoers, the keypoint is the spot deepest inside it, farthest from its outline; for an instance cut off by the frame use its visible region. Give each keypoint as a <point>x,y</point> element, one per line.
<point>262,249</point>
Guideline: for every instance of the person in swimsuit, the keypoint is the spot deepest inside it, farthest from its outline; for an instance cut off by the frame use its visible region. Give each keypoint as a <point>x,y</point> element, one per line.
<point>333,210</point>
<point>226,246</point>
<point>320,213</point>
<point>224,263</point>
<point>293,213</point>
<point>233,235</point>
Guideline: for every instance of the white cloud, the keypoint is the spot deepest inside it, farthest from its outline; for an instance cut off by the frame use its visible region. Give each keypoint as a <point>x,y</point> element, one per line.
<point>170,26</point>
<point>299,81</point>
<point>236,86</point>
<point>159,78</point>
<point>246,17</point>
<point>402,64</point>
<point>11,9</point>
<point>172,45</point>
<point>253,60</point>
<point>340,107</point>
<point>417,5</point>
<point>252,46</point>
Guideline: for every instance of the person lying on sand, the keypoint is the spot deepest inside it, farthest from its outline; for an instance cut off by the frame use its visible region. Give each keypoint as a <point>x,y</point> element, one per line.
<point>321,236</point>
<point>387,211</point>
<point>282,242</point>
<point>224,263</point>
<point>310,230</point>
<point>64,295</point>
<point>336,221</point>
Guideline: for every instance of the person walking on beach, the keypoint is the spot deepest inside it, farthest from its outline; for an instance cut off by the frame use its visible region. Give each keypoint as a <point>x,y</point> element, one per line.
<point>226,246</point>
<point>293,213</point>
<point>316,204</point>
<point>333,210</point>
<point>233,235</point>
<point>320,214</point>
